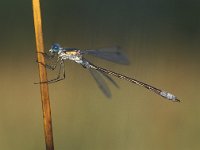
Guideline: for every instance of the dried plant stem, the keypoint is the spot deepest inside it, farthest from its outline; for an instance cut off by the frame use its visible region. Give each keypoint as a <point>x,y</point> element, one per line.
<point>43,77</point>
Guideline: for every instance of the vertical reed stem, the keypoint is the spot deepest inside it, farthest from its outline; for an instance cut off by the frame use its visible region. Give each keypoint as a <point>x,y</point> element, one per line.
<point>43,76</point>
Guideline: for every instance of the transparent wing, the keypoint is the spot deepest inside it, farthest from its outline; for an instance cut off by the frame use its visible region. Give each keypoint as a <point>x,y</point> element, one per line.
<point>101,82</point>
<point>110,79</point>
<point>114,54</point>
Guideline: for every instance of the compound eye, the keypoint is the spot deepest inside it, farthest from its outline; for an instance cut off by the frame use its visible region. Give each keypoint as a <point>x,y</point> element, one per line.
<point>55,47</point>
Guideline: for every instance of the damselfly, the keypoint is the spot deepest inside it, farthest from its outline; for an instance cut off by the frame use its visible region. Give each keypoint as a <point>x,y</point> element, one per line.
<point>113,54</point>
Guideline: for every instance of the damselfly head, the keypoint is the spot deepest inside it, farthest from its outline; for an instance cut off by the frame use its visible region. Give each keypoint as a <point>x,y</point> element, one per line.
<point>55,48</point>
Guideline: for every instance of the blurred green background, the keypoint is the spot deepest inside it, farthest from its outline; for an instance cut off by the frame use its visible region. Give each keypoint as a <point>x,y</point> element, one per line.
<point>162,40</point>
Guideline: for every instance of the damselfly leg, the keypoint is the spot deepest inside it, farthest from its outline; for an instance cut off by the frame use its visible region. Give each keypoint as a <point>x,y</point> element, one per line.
<point>59,76</point>
<point>53,67</point>
<point>47,55</point>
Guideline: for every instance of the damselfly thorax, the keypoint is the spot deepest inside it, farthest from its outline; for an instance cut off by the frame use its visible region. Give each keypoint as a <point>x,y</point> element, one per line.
<point>71,55</point>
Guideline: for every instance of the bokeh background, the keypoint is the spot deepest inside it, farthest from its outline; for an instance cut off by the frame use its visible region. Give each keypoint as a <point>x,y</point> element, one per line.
<point>162,40</point>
